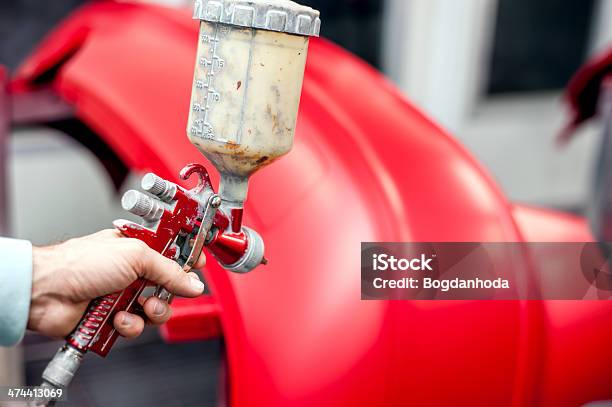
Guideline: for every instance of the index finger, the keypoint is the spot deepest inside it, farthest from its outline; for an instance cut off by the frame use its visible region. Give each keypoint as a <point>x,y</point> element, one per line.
<point>167,273</point>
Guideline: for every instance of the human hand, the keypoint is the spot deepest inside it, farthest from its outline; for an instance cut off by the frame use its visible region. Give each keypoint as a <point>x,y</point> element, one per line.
<point>66,277</point>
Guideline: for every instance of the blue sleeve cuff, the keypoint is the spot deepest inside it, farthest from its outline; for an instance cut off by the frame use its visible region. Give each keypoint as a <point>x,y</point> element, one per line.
<point>15,289</point>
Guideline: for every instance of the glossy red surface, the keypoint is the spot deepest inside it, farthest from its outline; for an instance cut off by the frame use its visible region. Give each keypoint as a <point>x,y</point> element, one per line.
<point>371,166</point>
<point>228,248</point>
<point>573,362</point>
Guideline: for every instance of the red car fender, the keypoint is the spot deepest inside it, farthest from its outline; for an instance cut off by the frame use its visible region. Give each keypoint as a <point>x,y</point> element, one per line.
<point>576,360</point>
<point>367,166</point>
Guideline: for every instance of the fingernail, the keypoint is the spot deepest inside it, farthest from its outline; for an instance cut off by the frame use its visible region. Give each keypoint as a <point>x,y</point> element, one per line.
<point>159,308</point>
<point>197,285</point>
<point>127,320</point>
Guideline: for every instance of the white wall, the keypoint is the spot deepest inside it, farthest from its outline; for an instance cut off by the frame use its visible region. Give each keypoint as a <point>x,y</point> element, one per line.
<point>602,31</point>
<point>437,51</point>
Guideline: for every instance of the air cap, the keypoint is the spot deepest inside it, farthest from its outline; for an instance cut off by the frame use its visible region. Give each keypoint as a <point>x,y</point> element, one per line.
<point>273,15</point>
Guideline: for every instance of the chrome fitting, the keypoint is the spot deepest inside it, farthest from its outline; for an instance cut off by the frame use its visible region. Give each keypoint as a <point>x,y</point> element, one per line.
<point>254,255</point>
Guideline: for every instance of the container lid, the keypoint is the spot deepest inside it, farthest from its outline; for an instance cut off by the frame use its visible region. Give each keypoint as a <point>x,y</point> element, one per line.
<point>273,15</point>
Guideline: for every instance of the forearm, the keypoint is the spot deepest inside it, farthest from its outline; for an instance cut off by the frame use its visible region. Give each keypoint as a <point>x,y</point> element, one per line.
<point>15,289</point>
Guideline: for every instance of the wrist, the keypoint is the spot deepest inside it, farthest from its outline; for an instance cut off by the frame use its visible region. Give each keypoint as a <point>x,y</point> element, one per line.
<point>43,281</point>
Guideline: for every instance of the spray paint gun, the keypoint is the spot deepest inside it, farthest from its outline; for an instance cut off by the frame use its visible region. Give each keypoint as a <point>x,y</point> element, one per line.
<point>244,106</point>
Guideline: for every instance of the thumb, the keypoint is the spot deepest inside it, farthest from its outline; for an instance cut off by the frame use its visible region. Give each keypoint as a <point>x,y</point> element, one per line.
<point>167,273</point>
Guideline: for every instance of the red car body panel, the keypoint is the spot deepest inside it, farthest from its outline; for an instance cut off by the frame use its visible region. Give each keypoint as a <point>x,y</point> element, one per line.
<point>367,166</point>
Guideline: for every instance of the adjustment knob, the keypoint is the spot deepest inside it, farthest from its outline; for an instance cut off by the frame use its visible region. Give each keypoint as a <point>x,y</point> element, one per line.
<point>142,205</point>
<point>159,187</point>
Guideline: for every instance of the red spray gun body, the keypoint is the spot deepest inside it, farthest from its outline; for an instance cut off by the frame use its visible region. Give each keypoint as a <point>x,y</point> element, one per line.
<point>177,223</point>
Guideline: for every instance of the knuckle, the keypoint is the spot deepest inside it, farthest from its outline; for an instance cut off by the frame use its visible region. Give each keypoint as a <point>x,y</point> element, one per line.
<point>139,246</point>
<point>135,254</point>
<point>173,272</point>
<point>107,233</point>
<point>139,252</point>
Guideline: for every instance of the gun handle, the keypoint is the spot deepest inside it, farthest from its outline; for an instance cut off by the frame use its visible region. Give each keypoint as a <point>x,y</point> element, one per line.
<point>96,331</point>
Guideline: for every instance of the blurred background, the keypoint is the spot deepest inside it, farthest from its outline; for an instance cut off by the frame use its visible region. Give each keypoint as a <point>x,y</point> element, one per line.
<point>491,71</point>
